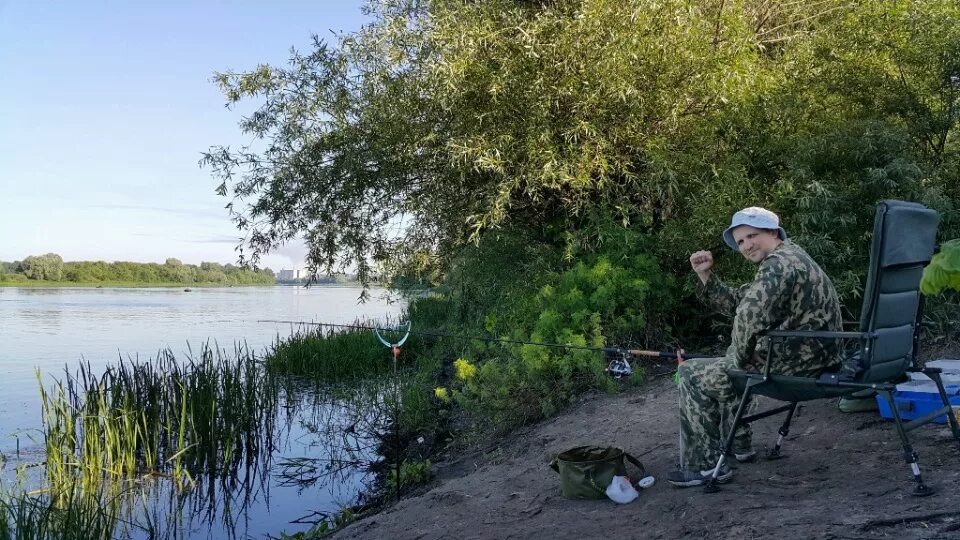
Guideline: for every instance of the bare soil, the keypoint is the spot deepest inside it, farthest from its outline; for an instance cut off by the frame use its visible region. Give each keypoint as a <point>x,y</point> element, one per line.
<point>844,477</point>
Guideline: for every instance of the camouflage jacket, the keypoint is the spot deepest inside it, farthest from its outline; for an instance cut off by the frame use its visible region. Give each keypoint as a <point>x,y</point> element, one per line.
<point>789,292</point>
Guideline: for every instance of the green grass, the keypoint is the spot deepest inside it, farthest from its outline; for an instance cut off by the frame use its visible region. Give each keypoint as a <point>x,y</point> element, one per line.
<point>339,355</point>
<point>335,356</point>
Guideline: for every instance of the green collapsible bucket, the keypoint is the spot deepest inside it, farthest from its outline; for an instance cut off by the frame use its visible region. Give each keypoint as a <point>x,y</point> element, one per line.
<point>586,471</point>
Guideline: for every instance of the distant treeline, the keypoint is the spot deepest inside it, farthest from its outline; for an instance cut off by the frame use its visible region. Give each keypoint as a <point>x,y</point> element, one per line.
<point>52,268</point>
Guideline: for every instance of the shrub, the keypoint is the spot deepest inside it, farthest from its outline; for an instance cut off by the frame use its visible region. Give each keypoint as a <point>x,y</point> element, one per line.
<point>583,307</point>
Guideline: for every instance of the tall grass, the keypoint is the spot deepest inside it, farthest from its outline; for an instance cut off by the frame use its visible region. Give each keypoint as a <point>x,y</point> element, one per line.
<point>202,417</point>
<point>73,516</point>
<point>347,355</point>
<point>203,429</point>
<point>339,355</point>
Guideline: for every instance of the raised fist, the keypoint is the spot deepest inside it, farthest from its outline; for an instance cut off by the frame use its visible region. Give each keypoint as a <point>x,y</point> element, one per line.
<point>702,262</point>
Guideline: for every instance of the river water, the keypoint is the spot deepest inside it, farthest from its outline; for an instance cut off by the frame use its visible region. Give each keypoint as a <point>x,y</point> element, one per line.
<point>49,329</point>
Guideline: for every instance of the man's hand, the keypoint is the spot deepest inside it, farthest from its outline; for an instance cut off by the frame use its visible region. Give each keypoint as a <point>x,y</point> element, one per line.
<point>702,263</point>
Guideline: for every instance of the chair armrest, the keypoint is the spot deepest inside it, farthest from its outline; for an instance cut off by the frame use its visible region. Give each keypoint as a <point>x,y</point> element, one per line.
<point>811,334</point>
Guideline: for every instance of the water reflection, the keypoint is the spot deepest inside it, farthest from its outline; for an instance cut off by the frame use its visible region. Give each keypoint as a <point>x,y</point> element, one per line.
<point>247,496</point>
<point>323,441</point>
<point>328,438</point>
<point>42,321</point>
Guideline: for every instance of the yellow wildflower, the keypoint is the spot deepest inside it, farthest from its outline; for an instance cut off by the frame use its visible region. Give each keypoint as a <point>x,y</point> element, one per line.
<point>465,370</point>
<point>441,393</point>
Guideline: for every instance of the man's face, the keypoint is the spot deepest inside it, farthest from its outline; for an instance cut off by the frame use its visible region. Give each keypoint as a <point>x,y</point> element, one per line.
<point>755,244</point>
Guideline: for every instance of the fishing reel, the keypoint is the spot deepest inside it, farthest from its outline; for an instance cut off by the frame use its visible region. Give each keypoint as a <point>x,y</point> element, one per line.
<point>619,365</point>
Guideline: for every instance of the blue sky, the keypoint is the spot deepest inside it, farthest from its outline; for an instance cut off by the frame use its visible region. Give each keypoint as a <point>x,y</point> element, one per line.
<point>105,108</point>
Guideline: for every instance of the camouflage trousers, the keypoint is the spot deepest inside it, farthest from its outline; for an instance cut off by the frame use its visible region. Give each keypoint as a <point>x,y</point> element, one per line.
<point>708,404</point>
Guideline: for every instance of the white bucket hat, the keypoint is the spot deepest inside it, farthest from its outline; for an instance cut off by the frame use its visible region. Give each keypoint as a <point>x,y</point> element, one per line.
<point>761,218</point>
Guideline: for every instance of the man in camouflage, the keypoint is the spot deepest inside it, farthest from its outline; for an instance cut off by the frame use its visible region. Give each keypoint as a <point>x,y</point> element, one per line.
<point>789,292</point>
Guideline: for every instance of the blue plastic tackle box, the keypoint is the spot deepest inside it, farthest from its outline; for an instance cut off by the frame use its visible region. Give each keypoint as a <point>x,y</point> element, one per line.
<point>918,398</point>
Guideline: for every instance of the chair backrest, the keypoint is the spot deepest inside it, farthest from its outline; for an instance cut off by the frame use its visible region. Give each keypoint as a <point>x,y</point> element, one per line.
<point>904,239</point>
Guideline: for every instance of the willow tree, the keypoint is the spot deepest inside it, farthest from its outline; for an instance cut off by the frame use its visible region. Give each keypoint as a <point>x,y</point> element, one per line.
<point>443,120</point>
<point>47,267</point>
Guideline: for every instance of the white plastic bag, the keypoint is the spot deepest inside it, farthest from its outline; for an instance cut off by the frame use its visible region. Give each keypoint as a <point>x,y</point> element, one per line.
<point>620,491</point>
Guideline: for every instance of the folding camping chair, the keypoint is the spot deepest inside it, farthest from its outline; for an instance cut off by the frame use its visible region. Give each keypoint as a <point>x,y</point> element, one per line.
<point>904,236</point>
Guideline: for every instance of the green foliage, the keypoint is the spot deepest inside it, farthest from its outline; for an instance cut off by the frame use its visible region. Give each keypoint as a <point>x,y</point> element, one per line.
<point>943,272</point>
<point>15,278</point>
<point>486,280</point>
<point>51,268</point>
<point>878,109</point>
<point>583,306</point>
<point>337,355</point>
<point>601,300</point>
<point>47,267</point>
<point>469,116</point>
<point>831,178</point>
<point>469,120</point>
<point>412,474</point>
<point>420,411</point>
<point>587,296</point>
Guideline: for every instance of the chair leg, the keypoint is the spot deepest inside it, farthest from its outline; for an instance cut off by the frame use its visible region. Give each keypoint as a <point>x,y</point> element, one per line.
<point>784,430</point>
<point>921,489</point>
<point>711,486</point>
<point>951,416</point>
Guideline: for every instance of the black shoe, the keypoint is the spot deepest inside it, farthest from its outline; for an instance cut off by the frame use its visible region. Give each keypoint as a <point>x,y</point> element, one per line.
<point>690,478</point>
<point>746,457</point>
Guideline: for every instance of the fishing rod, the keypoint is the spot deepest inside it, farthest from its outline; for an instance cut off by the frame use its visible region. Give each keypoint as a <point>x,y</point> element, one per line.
<point>605,350</point>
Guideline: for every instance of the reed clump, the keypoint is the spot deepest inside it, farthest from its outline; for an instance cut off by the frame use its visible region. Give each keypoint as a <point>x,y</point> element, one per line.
<point>72,516</point>
<point>202,417</point>
<point>337,355</point>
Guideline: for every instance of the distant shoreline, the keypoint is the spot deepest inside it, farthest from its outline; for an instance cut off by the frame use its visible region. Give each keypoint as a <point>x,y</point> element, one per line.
<point>136,285</point>
<point>122,285</point>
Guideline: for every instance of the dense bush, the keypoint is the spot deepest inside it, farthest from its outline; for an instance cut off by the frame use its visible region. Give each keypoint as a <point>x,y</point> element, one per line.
<point>584,306</point>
